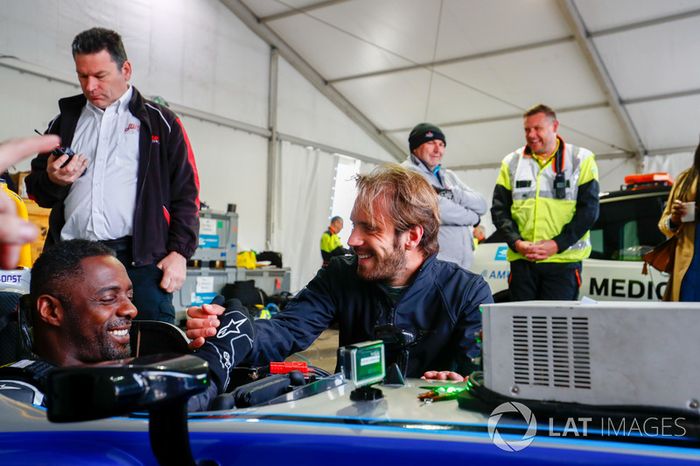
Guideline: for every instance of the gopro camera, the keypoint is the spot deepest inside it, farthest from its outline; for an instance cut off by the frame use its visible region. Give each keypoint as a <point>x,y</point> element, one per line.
<point>397,342</point>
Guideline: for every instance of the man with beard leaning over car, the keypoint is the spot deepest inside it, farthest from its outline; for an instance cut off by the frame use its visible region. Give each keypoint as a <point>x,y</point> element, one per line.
<point>394,280</point>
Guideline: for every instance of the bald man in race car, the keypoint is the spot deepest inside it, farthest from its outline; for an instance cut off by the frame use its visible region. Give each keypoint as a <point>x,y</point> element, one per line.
<point>82,312</point>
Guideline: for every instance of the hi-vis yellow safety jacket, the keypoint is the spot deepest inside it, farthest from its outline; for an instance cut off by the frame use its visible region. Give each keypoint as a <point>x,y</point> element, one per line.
<point>527,206</point>
<point>331,246</point>
<point>329,243</point>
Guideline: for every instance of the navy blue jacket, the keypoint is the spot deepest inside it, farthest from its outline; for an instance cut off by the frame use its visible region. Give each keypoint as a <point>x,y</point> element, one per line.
<point>440,307</point>
<point>167,198</point>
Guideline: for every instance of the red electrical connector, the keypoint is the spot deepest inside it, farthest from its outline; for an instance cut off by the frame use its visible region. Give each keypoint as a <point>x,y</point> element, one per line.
<point>287,367</point>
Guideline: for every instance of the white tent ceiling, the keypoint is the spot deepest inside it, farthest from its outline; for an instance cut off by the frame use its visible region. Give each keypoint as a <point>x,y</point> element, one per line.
<point>622,74</point>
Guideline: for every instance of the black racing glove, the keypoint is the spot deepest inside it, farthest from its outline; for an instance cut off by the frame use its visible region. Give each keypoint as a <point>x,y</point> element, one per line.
<point>231,344</point>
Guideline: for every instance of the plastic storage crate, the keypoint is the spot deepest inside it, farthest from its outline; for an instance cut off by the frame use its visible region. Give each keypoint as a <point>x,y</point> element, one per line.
<point>218,237</point>
<point>271,280</point>
<point>201,285</point>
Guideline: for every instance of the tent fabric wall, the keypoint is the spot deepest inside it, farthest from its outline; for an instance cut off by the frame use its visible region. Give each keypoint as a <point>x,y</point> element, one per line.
<point>197,54</point>
<point>233,170</point>
<point>304,199</point>
<point>366,167</point>
<point>304,112</point>
<point>674,164</point>
<point>622,75</point>
<point>612,172</point>
<point>29,102</point>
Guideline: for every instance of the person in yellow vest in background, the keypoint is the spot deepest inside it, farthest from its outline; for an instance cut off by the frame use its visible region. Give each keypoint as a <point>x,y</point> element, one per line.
<point>544,203</point>
<point>331,245</point>
<point>25,251</point>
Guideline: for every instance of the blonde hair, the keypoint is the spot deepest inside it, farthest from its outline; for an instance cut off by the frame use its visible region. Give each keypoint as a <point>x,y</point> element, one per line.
<point>404,197</point>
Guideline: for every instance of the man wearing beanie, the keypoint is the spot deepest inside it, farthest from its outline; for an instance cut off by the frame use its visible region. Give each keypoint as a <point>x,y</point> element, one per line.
<point>460,207</point>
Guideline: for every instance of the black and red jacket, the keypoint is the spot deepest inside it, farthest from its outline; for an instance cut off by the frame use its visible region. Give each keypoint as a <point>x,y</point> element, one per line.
<point>166,217</point>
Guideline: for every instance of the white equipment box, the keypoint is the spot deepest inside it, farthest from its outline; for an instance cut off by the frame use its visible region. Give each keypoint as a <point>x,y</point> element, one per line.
<point>605,353</point>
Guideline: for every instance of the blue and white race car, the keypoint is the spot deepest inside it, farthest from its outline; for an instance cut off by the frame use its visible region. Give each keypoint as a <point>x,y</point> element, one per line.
<point>134,412</point>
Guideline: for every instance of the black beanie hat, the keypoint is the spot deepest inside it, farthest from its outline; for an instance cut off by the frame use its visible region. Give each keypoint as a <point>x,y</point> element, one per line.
<point>424,132</point>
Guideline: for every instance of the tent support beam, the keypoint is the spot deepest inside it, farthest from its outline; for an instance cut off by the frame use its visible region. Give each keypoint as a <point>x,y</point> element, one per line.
<point>298,11</point>
<point>560,110</point>
<point>589,50</point>
<point>272,147</point>
<point>653,98</point>
<point>512,116</point>
<point>644,24</point>
<point>271,38</point>
<point>450,61</point>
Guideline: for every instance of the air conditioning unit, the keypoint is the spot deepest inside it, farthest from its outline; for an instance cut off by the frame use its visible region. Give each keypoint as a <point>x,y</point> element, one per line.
<point>602,354</point>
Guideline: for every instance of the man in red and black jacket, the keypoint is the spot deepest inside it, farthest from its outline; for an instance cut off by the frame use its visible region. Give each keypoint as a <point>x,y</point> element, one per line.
<point>133,183</point>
